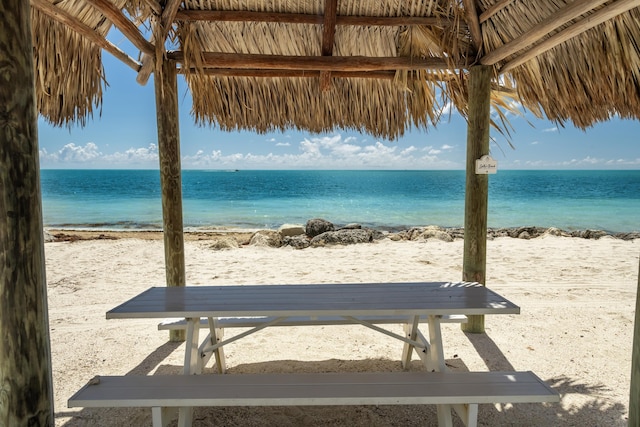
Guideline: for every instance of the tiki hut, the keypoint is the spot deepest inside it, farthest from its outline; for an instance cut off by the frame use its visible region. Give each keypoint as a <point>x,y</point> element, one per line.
<point>381,67</point>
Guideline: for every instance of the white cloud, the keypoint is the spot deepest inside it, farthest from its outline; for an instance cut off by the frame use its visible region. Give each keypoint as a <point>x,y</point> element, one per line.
<point>551,129</point>
<point>325,152</point>
<point>322,152</point>
<point>283,144</point>
<point>89,155</point>
<point>587,162</point>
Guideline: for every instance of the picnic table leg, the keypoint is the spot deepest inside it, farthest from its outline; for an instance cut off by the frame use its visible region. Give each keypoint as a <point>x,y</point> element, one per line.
<point>437,357</point>
<point>192,365</point>
<point>216,336</point>
<point>411,332</point>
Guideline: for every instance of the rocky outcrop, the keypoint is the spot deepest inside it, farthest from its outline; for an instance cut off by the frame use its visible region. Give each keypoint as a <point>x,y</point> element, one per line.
<point>289,230</point>
<point>319,232</point>
<point>317,226</point>
<point>269,238</point>
<point>297,242</point>
<point>343,237</point>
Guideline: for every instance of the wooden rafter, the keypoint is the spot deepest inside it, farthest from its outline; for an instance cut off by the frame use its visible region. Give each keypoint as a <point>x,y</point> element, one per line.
<point>123,24</point>
<point>168,16</point>
<point>81,28</point>
<point>155,6</point>
<point>606,13</point>
<point>474,24</point>
<point>160,36</point>
<point>315,63</point>
<point>255,72</point>
<point>552,23</point>
<point>497,7</point>
<point>328,38</point>
<point>377,75</point>
<point>300,18</point>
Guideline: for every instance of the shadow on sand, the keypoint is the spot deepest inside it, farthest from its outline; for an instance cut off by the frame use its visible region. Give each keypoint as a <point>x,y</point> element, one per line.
<point>594,412</point>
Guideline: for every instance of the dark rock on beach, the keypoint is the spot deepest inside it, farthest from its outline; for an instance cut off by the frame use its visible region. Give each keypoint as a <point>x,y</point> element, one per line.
<point>297,242</point>
<point>343,237</point>
<point>318,226</point>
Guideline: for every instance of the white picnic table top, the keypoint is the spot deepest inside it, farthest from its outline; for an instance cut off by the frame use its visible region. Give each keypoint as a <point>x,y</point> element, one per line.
<point>353,299</point>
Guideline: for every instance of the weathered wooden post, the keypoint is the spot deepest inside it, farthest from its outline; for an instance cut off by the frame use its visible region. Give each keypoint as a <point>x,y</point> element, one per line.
<point>634,393</point>
<point>166,89</point>
<point>26,388</point>
<point>477,186</point>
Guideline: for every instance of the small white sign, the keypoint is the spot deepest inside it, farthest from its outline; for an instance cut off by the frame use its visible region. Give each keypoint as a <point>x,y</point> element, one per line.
<point>486,165</point>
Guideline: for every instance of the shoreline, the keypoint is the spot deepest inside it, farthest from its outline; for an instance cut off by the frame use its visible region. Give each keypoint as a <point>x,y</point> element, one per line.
<point>243,235</point>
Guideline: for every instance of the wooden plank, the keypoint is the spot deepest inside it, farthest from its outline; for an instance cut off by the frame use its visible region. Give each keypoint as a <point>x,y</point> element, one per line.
<point>122,23</point>
<point>166,20</point>
<point>544,28</point>
<point>308,74</point>
<point>315,300</point>
<point>311,19</point>
<point>371,388</point>
<point>26,391</point>
<point>477,186</point>
<point>315,63</point>
<point>495,8</point>
<point>471,16</point>
<point>328,39</point>
<point>605,14</point>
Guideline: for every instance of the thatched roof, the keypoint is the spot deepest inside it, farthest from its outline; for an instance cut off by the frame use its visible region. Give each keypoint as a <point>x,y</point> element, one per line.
<point>381,67</point>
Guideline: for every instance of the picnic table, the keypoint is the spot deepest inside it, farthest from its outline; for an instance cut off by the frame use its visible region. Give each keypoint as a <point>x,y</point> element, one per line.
<point>367,304</point>
<point>353,302</point>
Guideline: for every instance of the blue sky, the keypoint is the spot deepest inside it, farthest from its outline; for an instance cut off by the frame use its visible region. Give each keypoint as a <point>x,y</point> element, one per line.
<point>124,136</point>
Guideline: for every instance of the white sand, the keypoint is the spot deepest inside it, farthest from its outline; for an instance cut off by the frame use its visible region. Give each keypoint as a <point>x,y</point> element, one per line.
<point>577,299</point>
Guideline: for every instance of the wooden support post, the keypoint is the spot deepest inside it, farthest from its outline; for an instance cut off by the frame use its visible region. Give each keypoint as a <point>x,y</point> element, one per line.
<point>634,393</point>
<point>166,88</point>
<point>477,186</point>
<point>26,387</point>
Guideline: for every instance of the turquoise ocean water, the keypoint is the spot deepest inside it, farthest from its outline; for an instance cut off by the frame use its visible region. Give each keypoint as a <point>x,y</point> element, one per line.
<point>390,200</point>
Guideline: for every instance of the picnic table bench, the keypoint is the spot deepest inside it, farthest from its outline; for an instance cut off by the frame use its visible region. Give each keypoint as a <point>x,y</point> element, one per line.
<point>270,305</point>
<point>461,390</point>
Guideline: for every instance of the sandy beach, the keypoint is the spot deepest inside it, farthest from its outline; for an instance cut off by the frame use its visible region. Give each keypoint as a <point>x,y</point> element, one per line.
<point>577,299</point>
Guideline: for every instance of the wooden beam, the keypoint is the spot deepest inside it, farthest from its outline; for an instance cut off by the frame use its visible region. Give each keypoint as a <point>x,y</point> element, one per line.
<point>301,18</point>
<point>315,63</point>
<point>168,16</point>
<point>603,15</point>
<point>471,16</point>
<point>634,390</point>
<point>155,6</point>
<point>231,72</point>
<point>166,90</point>
<point>122,23</point>
<point>328,38</point>
<point>159,36</point>
<point>474,264</point>
<point>145,71</point>
<point>495,8</point>
<point>79,27</point>
<point>26,396</point>
<point>547,26</point>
